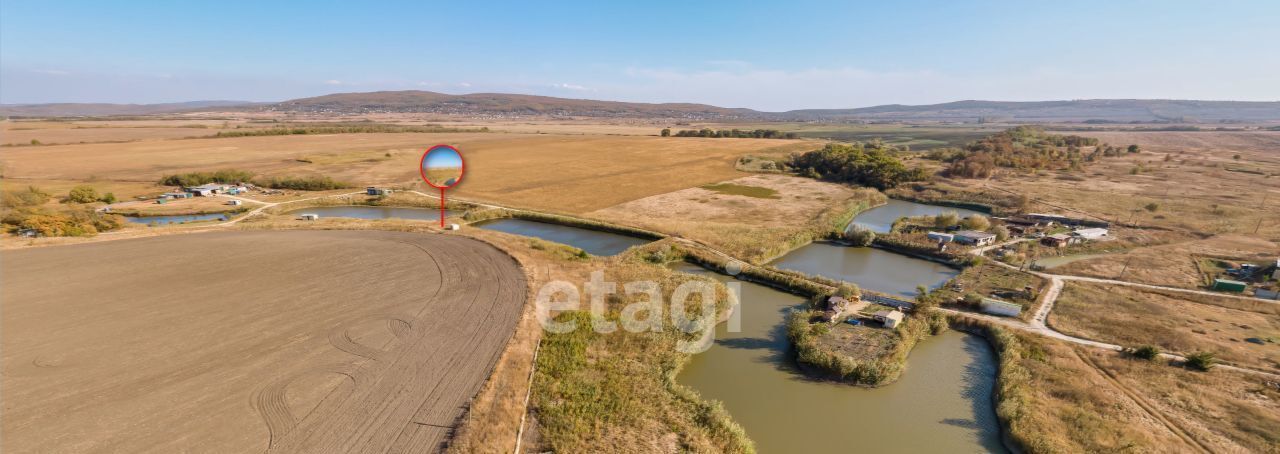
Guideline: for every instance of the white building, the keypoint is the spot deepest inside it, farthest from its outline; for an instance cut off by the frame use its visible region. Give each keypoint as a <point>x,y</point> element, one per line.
<point>941,237</point>
<point>309,216</point>
<point>890,319</point>
<point>974,238</point>
<point>1001,308</point>
<point>1090,233</point>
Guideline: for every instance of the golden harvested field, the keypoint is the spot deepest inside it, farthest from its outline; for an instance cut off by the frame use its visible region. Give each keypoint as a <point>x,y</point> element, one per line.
<point>288,341</point>
<point>73,132</point>
<point>1176,323</point>
<point>750,227</point>
<point>561,173</point>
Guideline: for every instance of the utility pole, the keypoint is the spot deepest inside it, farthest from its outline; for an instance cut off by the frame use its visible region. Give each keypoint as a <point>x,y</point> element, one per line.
<point>1125,268</point>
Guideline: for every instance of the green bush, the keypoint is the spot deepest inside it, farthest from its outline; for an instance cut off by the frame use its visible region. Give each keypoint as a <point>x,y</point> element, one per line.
<point>1147,352</point>
<point>32,196</point>
<point>1202,361</point>
<point>82,194</point>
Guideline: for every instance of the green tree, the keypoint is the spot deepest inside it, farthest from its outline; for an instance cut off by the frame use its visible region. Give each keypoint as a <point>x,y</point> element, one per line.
<point>1134,149</point>
<point>82,194</point>
<point>666,132</point>
<point>108,198</point>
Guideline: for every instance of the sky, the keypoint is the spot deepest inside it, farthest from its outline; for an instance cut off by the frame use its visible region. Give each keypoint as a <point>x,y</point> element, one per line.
<point>770,56</point>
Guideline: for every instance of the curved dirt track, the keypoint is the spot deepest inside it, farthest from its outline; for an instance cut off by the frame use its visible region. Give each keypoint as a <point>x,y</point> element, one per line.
<point>280,341</point>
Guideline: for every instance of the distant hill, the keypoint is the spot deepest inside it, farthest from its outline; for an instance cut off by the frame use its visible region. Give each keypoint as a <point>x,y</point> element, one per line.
<point>512,105</point>
<point>1095,110</point>
<point>499,104</point>
<point>104,109</point>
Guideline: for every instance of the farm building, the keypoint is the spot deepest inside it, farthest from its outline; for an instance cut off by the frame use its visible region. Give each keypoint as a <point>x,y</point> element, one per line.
<point>1064,220</point>
<point>1094,233</point>
<point>1228,285</point>
<point>308,216</point>
<point>890,319</point>
<point>371,190</point>
<point>1059,240</point>
<point>997,307</point>
<point>235,203</point>
<point>941,237</point>
<point>974,237</point>
<point>206,190</point>
<point>453,227</point>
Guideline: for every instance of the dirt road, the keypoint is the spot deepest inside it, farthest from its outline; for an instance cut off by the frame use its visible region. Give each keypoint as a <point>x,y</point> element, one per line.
<point>282,341</point>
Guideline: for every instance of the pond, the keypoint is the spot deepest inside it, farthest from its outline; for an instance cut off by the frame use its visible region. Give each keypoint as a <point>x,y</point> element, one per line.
<point>177,219</point>
<point>870,268</point>
<point>376,212</point>
<point>943,402</point>
<point>880,219</point>
<point>593,241</point>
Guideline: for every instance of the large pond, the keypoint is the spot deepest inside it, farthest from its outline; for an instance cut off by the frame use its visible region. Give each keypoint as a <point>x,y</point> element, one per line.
<point>880,219</point>
<point>375,212</point>
<point>942,403</point>
<point>870,268</point>
<point>593,241</point>
<point>177,219</point>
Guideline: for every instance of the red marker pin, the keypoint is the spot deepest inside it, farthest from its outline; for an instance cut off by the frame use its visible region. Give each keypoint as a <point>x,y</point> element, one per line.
<point>442,168</point>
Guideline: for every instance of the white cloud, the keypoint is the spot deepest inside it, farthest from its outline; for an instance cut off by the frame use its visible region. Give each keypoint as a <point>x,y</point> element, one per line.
<point>571,87</point>
<point>464,84</point>
<point>333,82</point>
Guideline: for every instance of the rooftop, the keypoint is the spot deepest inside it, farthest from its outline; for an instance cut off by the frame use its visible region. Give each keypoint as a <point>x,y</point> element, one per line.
<point>975,234</point>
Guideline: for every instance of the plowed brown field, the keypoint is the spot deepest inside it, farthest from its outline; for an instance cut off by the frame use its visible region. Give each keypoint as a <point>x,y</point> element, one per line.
<point>287,341</point>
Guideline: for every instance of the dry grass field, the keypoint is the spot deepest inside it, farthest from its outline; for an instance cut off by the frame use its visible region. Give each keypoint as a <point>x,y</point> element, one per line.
<point>288,341</point>
<point>562,173</point>
<point>1176,323</point>
<point>748,226</point>
<point>1172,264</point>
<point>1089,400</point>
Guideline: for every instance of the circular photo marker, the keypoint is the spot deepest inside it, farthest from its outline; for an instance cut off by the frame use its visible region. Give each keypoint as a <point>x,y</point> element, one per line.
<point>442,166</point>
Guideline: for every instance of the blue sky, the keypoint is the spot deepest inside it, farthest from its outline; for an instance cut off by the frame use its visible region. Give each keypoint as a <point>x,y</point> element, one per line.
<point>442,158</point>
<point>769,56</point>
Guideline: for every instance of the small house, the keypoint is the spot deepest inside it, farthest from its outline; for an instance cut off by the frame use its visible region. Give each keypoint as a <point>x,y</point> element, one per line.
<point>890,319</point>
<point>941,237</point>
<point>1227,285</point>
<point>453,227</point>
<point>371,190</point>
<point>1094,233</point>
<point>235,203</point>
<point>308,216</point>
<point>1002,308</point>
<point>974,238</point>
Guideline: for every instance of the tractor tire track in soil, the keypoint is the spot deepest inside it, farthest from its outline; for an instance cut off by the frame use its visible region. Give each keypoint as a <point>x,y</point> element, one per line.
<point>279,341</point>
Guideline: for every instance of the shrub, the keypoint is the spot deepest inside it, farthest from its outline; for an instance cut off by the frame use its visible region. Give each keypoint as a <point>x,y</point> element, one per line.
<point>947,219</point>
<point>1147,352</point>
<point>1002,232</point>
<point>1202,361</point>
<point>82,194</point>
<point>226,176</point>
<point>108,198</point>
<point>848,290</point>
<point>33,196</point>
<point>1152,207</point>
<point>307,183</point>
<point>976,222</point>
<point>860,237</point>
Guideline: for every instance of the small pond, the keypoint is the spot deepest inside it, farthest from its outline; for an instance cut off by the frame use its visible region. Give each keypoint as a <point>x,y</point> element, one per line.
<point>880,219</point>
<point>177,219</point>
<point>593,241</point>
<point>376,212</point>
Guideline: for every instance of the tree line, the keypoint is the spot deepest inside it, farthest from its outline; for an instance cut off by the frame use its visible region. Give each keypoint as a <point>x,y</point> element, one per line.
<point>1023,148</point>
<point>732,133</point>
<point>872,164</point>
